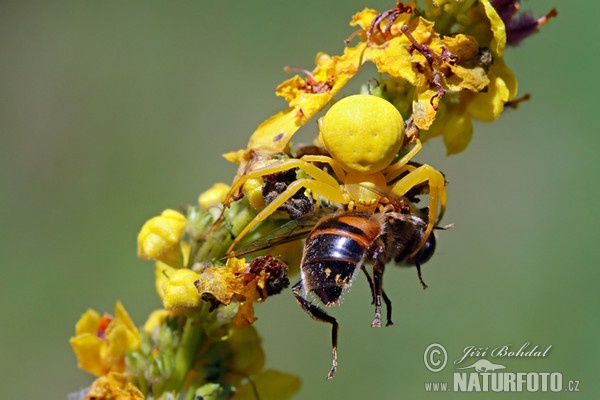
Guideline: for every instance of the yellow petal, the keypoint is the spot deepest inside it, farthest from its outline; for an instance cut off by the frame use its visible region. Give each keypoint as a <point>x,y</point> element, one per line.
<point>90,350</point>
<point>274,134</point>
<point>162,272</point>
<point>498,43</point>
<point>120,336</point>
<point>393,58</point>
<point>291,88</point>
<point>155,320</point>
<point>487,106</point>
<point>118,340</point>
<point>236,157</point>
<point>122,316</point>
<point>423,112</point>
<point>213,196</point>
<point>500,70</point>
<point>473,79</point>
<point>458,131</point>
<point>245,315</point>
<point>88,323</point>
<point>253,190</point>
<point>247,354</point>
<point>364,18</point>
<point>218,282</point>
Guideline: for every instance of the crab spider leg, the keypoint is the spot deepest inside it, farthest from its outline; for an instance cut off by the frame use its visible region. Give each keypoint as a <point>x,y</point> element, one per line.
<point>341,175</point>
<point>332,192</point>
<point>399,171</point>
<point>437,194</point>
<point>395,169</point>
<point>305,166</point>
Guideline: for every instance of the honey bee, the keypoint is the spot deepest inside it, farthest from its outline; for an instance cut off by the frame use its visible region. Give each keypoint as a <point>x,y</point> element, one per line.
<point>344,242</point>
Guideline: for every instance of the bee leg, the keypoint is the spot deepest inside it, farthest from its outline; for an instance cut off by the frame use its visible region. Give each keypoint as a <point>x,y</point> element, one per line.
<point>370,283</point>
<point>386,299</point>
<point>320,315</point>
<point>388,307</point>
<point>418,265</point>
<point>378,269</point>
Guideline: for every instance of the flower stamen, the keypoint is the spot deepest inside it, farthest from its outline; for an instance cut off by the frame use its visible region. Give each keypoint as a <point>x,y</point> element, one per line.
<point>312,84</point>
<point>391,15</point>
<point>430,56</point>
<point>516,102</point>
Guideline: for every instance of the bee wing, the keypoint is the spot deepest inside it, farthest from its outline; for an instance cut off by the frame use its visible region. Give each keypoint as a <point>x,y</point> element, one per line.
<point>288,232</point>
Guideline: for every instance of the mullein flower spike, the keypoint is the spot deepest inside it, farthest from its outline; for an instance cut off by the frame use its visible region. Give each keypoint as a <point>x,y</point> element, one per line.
<point>440,66</point>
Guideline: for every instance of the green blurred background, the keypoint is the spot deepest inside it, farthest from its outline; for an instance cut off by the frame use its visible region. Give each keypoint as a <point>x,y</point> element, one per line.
<point>112,111</point>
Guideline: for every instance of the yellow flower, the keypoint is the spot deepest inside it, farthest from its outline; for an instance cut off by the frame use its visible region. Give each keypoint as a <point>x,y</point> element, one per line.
<point>434,66</point>
<point>180,294</point>
<point>114,386</point>
<point>454,119</point>
<point>247,283</point>
<point>221,284</point>
<point>100,342</point>
<point>213,196</point>
<point>155,320</point>
<point>270,385</point>
<point>175,286</point>
<point>436,61</point>
<point>462,74</point>
<point>162,273</point>
<point>305,98</point>
<point>245,353</point>
<point>160,238</point>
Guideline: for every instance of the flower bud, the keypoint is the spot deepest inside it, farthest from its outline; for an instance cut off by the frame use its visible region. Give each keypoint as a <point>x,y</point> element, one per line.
<point>213,196</point>
<point>180,293</point>
<point>160,237</point>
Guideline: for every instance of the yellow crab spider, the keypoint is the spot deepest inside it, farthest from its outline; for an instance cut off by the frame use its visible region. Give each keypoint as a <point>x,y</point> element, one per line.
<point>363,134</point>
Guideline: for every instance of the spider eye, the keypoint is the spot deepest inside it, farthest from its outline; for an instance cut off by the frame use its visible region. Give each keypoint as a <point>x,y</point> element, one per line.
<point>362,132</point>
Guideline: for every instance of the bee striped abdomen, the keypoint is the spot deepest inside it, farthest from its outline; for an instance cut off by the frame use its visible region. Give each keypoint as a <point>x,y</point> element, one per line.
<point>334,251</point>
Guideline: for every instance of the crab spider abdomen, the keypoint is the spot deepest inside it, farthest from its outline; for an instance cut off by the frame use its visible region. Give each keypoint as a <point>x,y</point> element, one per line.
<point>363,133</point>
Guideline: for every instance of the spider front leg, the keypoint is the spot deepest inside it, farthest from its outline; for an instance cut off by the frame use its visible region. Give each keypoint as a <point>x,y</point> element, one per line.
<point>325,189</point>
<point>437,194</point>
<point>399,167</point>
<point>322,183</point>
<point>276,167</point>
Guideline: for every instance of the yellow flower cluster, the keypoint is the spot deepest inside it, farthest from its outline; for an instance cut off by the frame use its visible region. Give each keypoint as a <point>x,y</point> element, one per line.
<point>187,337</point>
<point>441,67</point>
